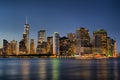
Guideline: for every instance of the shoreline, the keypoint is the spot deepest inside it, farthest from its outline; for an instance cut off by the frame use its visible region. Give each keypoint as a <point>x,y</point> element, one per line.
<point>55,57</point>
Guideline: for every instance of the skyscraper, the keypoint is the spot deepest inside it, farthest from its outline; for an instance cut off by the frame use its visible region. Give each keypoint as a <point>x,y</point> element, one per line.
<point>83,35</point>
<point>41,36</point>
<point>26,36</point>
<point>5,45</point>
<point>83,40</point>
<point>71,36</point>
<point>99,41</point>
<point>42,44</point>
<point>111,47</point>
<point>49,45</point>
<point>72,43</point>
<point>32,47</point>
<point>13,47</point>
<point>56,43</point>
<point>22,47</point>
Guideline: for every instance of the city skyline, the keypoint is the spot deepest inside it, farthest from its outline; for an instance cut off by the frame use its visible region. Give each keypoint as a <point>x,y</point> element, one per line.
<point>63,16</point>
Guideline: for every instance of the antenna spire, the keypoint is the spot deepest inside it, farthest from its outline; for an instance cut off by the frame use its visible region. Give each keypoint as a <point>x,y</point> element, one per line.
<point>26,20</point>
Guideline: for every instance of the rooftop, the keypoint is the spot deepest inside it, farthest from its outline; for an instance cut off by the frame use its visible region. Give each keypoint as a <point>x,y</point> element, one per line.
<point>100,31</point>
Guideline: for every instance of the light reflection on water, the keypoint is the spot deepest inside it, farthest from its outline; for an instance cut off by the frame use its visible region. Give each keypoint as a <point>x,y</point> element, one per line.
<point>115,71</point>
<point>55,69</point>
<point>59,69</point>
<point>25,70</point>
<point>42,69</point>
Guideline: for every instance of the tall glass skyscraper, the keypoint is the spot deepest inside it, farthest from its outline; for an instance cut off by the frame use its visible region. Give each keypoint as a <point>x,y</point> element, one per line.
<point>24,45</point>
<point>56,43</point>
<point>26,38</point>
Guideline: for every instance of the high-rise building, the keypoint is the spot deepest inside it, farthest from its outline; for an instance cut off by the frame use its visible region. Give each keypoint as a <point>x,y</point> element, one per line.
<point>8,49</point>
<point>32,47</point>
<point>56,43</point>
<point>110,46</point>
<point>26,35</point>
<point>49,45</point>
<point>5,45</point>
<point>64,46</point>
<point>83,41</point>
<point>42,48</point>
<point>99,41</point>
<point>71,36</point>
<point>82,34</point>
<point>42,44</point>
<point>13,47</point>
<point>22,47</point>
<point>72,43</point>
<point>41,36</point>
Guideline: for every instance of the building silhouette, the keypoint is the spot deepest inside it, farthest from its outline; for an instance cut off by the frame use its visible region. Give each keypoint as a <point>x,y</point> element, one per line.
<point>5,46</point>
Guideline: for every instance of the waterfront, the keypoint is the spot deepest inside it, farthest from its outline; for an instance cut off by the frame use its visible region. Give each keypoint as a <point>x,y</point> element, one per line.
<point>59,69</point>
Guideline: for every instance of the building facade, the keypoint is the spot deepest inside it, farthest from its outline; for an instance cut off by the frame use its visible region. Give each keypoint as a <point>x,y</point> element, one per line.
<point>99,41</point>
<point>22,47</point>
<point>56,45</point>
<point>42,44</point>
<point>83,41</point>
<point>72,43</point>
<point>41,36</point>
<point>5,45</point>
<point>26,36</point>
<point>32,46</point>
<point>49,45</point>
<point>13,47</point>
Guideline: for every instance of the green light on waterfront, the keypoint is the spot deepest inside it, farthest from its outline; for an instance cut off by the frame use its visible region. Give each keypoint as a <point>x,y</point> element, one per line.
<point>108,54</point>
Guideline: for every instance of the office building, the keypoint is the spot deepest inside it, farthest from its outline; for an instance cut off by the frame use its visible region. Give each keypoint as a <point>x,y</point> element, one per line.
<point>5,45</point>
<point>42,44</point>
<point>41,36</point>
<point>83,41</point>
<point>22,47</point>
<point>56,43</point>
<point>32,46</point>
<point>13,47</point>
<point>99,41</point>
<point>72,43</point>
<point>111,47</point>
<point>49,45</point>
<point>71,36</point>
<point>26,36</point>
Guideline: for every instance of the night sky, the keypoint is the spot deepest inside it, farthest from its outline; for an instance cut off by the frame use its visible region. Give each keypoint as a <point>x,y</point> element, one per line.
<point>61,16</point>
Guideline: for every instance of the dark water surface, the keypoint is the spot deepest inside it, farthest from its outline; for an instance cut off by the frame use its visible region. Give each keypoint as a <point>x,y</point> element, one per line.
<point>59,69</point>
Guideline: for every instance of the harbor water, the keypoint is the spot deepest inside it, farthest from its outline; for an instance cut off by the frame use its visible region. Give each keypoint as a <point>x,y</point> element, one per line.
<point>59,69</point>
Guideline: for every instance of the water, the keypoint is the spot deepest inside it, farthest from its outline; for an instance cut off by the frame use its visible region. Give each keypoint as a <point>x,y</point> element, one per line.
<point>59,69</point>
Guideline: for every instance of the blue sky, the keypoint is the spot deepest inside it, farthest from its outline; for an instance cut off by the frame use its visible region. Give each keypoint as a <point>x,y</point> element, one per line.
<point>61,16</point>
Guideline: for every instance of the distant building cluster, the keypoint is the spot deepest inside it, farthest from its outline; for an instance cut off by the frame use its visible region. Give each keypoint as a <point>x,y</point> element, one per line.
<point>76,43</point>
